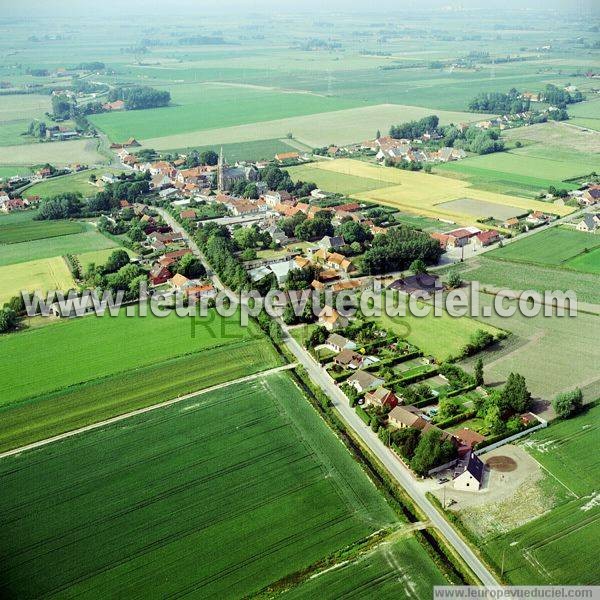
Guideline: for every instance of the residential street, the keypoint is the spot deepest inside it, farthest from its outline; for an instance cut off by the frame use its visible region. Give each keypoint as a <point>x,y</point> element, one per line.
<point>416,489</point>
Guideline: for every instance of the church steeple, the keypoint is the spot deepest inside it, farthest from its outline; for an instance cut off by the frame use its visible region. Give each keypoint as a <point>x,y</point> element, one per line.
<point>220,182</point>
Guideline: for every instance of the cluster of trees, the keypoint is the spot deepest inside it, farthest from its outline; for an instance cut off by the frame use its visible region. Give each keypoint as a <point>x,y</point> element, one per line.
<point>37,129</point>
<point>397,249</point>
<point>249,238</point>
<point>479,141</point>
<point>499,103</point>
<point>560,97</point>
<point>62,107</point>
<point>501,409</point>
<point>415,129</point>
<point>245,189</point>
<point>423,451</point>
<point>118,273</point>
<point>568,404</point>
<point>8,319</point>
<point>217,245</point>
<point>480,340</point>
<point>315,228</point>
<point>128,187</point>
<point>140,96</point>
<point>91,66</point>
<point>279,179</point>
<point>196,159</point>
<point>300,226</point>
<point>61,206</point>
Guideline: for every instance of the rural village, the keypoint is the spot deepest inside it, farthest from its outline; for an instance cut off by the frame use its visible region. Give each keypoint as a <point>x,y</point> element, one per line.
<point>468,443</point>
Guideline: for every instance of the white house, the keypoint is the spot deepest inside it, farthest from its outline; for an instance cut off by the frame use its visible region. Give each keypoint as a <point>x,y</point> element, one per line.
<point>469,474</point>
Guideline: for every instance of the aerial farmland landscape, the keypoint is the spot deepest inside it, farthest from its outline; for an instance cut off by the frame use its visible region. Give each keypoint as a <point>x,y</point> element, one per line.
<point>299,300</point>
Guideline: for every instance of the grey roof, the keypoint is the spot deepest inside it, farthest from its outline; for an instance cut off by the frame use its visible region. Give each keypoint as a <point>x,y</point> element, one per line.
<point>588,219</point>
<point>335,241</point>
<point>364,379</point>
<point>473,465</point>
<point>337,340</point>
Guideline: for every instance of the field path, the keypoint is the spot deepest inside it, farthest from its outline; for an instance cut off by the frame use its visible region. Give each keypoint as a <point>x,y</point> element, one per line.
<point>141,411</point>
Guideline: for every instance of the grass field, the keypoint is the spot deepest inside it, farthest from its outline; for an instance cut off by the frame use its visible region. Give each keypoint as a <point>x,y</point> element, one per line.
<point>15,228</point>
<point>523,171</point>
<point>102,398</point>
<point>554,135</point>
<point>561,546</point>
<point>536,347</point>
<point>331,181</point>
<point>98,257</point>
<point>119,344</point>
<point>413,192</point>
<point>6,172</point>
<point>215,106</point>
<point>394,570</point>
<point>588,262</point>
<point>554,247</point>
<point>586,114</point>
<point>254,150</point>
<point>76,243</point>
<point>441,337</point>
<point>76,183</point>
<point>44,274</point>
<point>116,513</point>
<point>338,126</point>
<point>16,112</point>
<point>56,153</point>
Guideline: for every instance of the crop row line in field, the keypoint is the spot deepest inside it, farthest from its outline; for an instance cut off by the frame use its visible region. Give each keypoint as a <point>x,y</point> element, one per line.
<point>141,411</point>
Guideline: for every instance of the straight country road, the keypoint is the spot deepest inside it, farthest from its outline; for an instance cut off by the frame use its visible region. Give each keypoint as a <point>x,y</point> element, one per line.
<point>402,474</point>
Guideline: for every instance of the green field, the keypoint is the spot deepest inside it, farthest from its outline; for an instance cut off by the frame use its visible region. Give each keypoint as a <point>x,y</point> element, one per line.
<point>524,276</point>
<point>587,262</point>
<point>105,397</point>
<point>559,547</point>
<point>524,171</point>
<point>83,151</point>
<point>7,172</point>
<point>536,349</point>
<point>119,508</point>
<point>212,107</point>
<point>336,183</point>
<point>75,183</point>
<point>98,257</point>
<point>254,150</point>
<point>76,243</point>
<point>337,126</point>
<point>553,247</point>
<point>441,337</point>
<point>103,346</point>
<point>394,570</point>
<point>45,274</point>
<point>20,227</point>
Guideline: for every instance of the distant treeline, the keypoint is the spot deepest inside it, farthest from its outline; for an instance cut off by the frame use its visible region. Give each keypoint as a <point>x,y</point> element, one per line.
<point>138,97</point>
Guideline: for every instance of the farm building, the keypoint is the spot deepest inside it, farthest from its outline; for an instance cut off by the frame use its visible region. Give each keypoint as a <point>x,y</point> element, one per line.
<point>468,474</point>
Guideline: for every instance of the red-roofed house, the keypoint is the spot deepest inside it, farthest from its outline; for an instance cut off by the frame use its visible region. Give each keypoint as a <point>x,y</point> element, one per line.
<point>486,238</point>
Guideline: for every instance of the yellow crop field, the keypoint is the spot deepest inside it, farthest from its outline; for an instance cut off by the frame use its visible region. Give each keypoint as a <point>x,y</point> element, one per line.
<point>422,193</point>
<point>45,274</point>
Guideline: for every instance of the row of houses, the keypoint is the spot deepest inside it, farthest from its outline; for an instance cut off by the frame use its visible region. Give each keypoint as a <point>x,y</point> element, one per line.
<point>397,150</point>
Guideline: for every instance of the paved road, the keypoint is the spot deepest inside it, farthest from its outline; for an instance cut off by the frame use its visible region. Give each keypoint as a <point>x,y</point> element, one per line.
<point>141,411</point>
<point>416,489</point>
<point>402,474</point>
